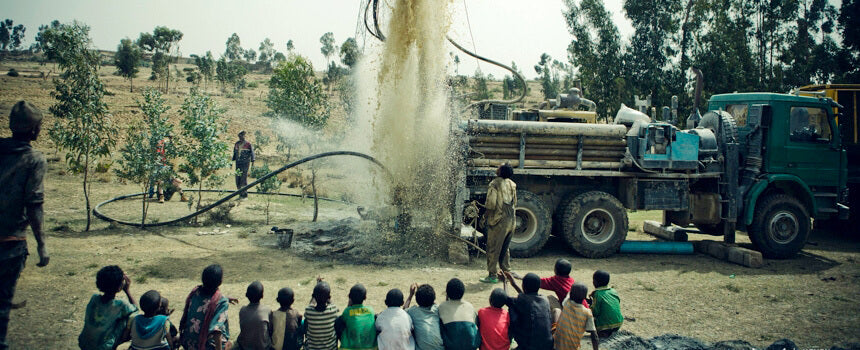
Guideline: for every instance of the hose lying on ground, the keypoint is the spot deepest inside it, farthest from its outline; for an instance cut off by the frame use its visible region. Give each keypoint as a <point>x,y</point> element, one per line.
<point>97,210</point>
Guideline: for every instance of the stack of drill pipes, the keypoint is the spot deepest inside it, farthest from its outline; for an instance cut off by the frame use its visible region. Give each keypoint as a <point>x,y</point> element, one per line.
<point>547,140</point>
<point>548,152</point>
<point>556,164</point>
<point>546,129</point>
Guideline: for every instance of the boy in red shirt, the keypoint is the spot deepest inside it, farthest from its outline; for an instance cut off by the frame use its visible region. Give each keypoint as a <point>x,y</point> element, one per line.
<point>493,323</point>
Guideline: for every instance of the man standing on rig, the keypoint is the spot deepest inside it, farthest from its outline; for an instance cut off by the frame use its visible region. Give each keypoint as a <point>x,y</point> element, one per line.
<point>243,155</point>
<point>21,172</point>
<point>500,222</point>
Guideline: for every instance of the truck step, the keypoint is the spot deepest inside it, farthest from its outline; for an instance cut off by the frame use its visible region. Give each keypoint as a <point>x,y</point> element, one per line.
<point>825,194</point>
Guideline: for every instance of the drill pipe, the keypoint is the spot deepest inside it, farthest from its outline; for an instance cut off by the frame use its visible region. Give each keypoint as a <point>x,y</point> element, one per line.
<point>538,128</point>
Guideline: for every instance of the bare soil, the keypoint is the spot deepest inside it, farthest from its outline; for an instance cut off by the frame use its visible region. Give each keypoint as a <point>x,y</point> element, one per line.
<point>811,299</point>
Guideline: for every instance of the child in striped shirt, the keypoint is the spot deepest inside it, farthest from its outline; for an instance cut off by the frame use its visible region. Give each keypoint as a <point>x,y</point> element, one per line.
<point>575,320</point>
<point>320,317</point>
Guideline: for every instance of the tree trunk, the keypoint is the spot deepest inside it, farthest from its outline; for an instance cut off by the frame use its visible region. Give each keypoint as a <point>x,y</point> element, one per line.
<point>143,207</point>
<point>268,201</point>
<point>314,188</point>
<point>167,81</point>
<point>131,84</point>
<point>86,188</point>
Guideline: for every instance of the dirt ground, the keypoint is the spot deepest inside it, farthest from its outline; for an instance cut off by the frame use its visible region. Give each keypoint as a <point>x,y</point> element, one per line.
<point>811,299</point>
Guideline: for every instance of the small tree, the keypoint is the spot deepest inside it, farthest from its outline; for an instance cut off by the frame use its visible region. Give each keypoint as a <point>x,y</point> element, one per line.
<point>290,45</point>
<point>160,42</point>
<point>349,52</point>
<point>141,159</point>
<point>548,78</point>
<point>230,73</point>
<point>83,126</point>
<point>11,35</point>
<point>205,153</point>
<point>271,185</point>
<point>267,54</point>
<point>205,65</point>
<point>327,41</point>
<point>126,59</point>
<point>234,48</point>
<point>481,91</point>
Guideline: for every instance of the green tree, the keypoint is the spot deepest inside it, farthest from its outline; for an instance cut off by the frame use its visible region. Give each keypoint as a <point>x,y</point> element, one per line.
<point>511,85</point>
<point>82,127</point>
<point>327,41</point>
<point>596,53</point>
<point>848,58</point>
<point>234,48</point>
<point>269,186</point>
<point>205,153</point>
<point>290,46</point>
<point>146,148</point>
<point>267,54</point>
<point>231,73</point>
<point>548,77</point>
<point>39,43</point>
<point>205,65</point>
<point>349,53</point>
<point>126,59</point>
<point>250,55</point>
<point>480,87</point>
<point>296,94</point>
<point>161,43</point>
<point>11,35</point>
<point>648,55</point>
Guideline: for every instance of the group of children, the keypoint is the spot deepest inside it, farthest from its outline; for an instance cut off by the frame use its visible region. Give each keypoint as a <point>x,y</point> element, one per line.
<point>535,322</point>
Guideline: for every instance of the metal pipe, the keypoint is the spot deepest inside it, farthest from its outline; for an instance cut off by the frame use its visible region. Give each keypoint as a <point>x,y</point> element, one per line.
<point>543,129</point>
<point>547,140</point>
<point>544,163</point>
<point>656,247</point>
<point>547,152</point>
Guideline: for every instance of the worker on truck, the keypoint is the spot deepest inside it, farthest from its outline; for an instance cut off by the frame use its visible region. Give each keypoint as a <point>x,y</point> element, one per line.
<point>499,221</point>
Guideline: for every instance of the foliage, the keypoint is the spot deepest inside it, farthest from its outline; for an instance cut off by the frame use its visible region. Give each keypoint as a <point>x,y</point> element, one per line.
<point>349,53</point>
<point>296,94</point>
<point>480,88</point>
<point>334,74</point>
<point>146,147</point>
<point>127,59</point>
<point>205,65</point>
<point>511,86</point>
<point>549,81</point>
<point>647,60</point>
<point>290,46</point>
<point>234,48</point>
<point>327,41</point>
<point>11,35</point>
<point>250,55</point>
<point>82,127</point>
<point>160,43</point>
<point>267,54</point>
<point>205,153</point>
<point>231,73</point>
<point>39,43</point>
<point>270,185</point>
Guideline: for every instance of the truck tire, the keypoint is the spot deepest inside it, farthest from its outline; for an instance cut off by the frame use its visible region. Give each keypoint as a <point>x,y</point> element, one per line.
<point>533,225</point>
<point>595,224</point>
<point>780,226</point>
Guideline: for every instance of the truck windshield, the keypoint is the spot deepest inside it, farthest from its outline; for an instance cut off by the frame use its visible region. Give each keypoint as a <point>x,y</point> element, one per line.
<point>809,124</point>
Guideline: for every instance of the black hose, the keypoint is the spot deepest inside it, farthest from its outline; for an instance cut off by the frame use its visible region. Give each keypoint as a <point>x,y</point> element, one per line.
<point>97,212</point>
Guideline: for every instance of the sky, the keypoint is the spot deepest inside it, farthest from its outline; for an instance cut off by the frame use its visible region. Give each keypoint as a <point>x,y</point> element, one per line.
<point>504,30</point>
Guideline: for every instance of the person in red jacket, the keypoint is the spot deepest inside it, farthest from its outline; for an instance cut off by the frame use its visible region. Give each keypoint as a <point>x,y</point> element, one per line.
<point>494,322</point>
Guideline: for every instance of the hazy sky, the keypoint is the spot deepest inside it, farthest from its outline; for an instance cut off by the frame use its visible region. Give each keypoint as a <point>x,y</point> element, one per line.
<point>504,30</point>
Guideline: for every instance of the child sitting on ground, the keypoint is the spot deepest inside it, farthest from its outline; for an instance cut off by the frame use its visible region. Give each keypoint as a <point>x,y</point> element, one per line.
<point>151,331</point>
<point>531,317</point>
<point>605,305</point>
<point>356,325</point>
<point>394,324</point>
<point>559,283</point>
<point>287,325</point>
<point>575,320</point>
<point>459,330</point>
<point>106,317</point>
<point>167,311</point>
<point>425,317</point>
<point>204,321</point>
<point>255,332</point>
<point>319,319</point>
<point>494,323</point>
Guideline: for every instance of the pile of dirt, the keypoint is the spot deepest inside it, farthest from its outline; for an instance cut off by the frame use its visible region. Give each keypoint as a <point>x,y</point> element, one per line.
<point>624,340</point>
<point>348,240</point>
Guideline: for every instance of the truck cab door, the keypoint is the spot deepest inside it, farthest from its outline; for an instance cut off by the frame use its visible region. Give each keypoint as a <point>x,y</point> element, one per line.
<point>810,150</point>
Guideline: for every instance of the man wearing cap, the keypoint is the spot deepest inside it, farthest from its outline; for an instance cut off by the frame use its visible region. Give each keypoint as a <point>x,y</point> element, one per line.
<point>21,172</point>
<point>243,155</point>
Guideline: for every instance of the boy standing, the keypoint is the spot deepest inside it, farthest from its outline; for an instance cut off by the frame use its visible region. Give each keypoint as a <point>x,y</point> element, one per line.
<point>425,318</point>
<point>243,155</point>
<point>575,320</point>
<point>287,328</point>
<point>459,330</point>
<point>204,323</point>
<point>106,317</point>
<point>494,323</point>
<point>394,324</point>
<point>606,305</point>
<point>151,331</point>
<point>531,317</point>
<point>357,322</point>
<point>255,332</point>
<point>320,318</point>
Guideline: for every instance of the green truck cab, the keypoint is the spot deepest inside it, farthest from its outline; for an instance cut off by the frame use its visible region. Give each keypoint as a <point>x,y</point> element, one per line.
<point>792,156</point>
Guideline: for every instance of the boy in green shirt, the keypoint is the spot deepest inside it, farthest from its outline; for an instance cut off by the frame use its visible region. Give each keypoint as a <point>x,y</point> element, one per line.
<point>357,324</point>
<point>605,305</point>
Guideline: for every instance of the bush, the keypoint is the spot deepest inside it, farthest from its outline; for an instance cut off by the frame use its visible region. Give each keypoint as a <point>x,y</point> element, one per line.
<point>253,85</point>
<point>12,72</point>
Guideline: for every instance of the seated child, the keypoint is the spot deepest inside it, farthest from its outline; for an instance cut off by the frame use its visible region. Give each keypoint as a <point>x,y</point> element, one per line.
<point>356,325</point>
<point>459,330</point>
<point>575,320</point>
<point>107,317</point>
<point>255,332</point>
<point>531,317</point>
<point>151,331</point>
<point>287,330</point>
<point>605,305</point>
<point>319,319</point>
<point>425,318</point>
<point>494,322</point>
<point>167,311</point>
<point>559,283</point>
<point>394,324</point>
<point>204,319</point>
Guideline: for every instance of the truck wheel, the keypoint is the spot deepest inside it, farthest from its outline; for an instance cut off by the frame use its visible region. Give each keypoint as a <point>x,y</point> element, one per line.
<point>595,224</point>
<point>780,226</point>
<point>533,225</point>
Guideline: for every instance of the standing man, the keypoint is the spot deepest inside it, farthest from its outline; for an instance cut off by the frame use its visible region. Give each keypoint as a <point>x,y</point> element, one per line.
<point>499,218</point>
<point>243,155</point>
<point>21,172</point>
